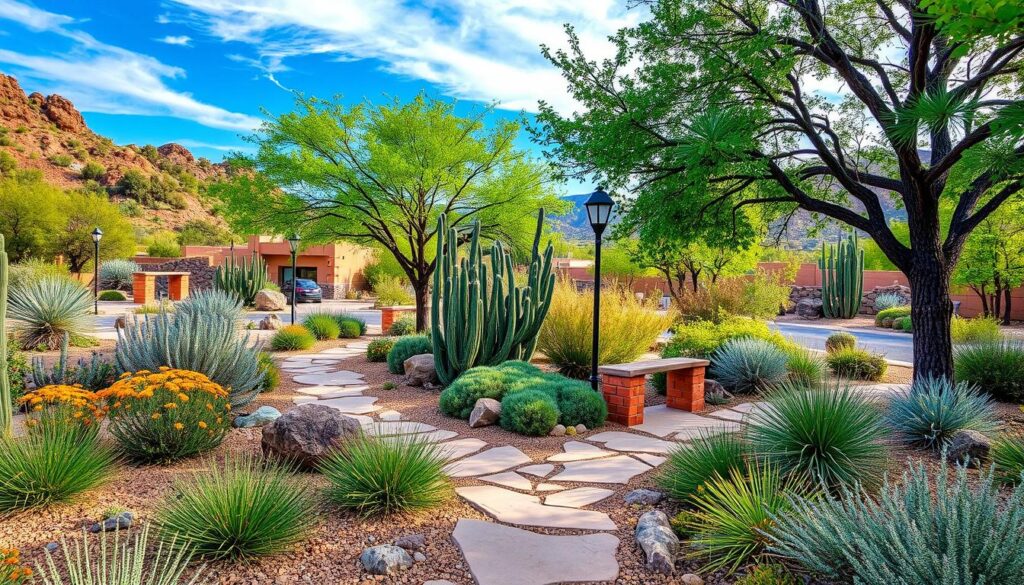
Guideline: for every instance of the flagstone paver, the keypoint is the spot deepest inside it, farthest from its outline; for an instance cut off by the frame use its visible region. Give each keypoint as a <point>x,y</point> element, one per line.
<point>663,421</point>
<point>577,451</point>
<point>542,470</point>
<point>509,479</point>
<point>325,392</point>
<point>340,378</point>
<point>308,369</point>
<point>389,415</point>
<point>620,441</point>
<point>387,428</point>
<point>525,510</point>
<point>652,460</point>
<point>489,461</point>
<point>460,448</point>
<point>549,487</point>
<point>502,555</point>
<point>578,497</point>
<point>748,406</point>
<point>618,469</point>
<point>729,414</point>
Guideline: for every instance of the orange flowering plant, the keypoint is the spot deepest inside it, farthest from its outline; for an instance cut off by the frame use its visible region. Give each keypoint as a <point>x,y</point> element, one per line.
<point>158,417</point>
<point>11,569</point>
<point>62,404</point>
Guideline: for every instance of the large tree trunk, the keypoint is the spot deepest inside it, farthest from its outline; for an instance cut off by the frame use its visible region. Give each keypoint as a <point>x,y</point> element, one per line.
<point>421,289</point>
<point>1007,294</point>
<point>931,311</point>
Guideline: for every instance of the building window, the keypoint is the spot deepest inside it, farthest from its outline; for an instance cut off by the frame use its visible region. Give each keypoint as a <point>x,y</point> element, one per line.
<point>300,272</point>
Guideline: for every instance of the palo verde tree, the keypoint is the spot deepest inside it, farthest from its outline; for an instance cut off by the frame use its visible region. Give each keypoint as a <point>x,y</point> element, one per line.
<point>826,106</point>
<point>382,174</point>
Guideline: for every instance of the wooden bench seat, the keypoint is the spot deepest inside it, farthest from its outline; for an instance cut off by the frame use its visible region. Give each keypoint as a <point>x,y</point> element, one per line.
<point>623,386</point>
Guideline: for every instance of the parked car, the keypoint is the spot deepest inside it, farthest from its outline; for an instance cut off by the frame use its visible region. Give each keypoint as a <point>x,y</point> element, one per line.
<point>306,291</point>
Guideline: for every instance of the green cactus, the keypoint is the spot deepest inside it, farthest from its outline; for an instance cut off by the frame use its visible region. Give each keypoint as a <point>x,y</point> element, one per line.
<point>479,317</point>
<point>244,279</point>
<point>5,383</point>
<point>842,279</point>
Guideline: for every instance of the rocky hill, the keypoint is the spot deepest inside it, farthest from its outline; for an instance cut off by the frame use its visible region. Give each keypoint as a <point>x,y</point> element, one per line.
<point>48,133</point>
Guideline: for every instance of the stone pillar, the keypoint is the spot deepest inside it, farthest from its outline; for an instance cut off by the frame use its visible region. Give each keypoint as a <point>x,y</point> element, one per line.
<point>625,398</point>
<point>143,288</point>
<point>387,317</point>
<point>177,286</point>
<point>685,389</point>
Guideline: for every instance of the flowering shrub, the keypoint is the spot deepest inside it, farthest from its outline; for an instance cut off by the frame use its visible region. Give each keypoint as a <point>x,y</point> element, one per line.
<point>63,403</point>
<point>167,415</point>
<point>11,570</point>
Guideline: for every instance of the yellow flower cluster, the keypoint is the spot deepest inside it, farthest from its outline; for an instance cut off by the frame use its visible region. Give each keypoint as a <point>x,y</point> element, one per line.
<point>11,570</point>
<point>82,404</point>
<point>179,384</point>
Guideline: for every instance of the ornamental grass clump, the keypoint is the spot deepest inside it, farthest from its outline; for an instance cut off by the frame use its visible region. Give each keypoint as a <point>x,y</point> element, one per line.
<point>745,366</point>
<point>934,409</point>
<point>239,509</point>
<point>163,416</point>
<point>118,274</point>
<point>1008,458</point>
<point>806,368</point>
<point>404,348</point>
<point>377,476</point>
<point>322,326</point>
<point>917,531</point>
<point>996,368</point>
<point>343,318</point>
<point>977,330</point>
<point>45,310</point>
<point>212,302</point>
<point>857,364</point>
<point>692,465</point>
<point>291,338</point>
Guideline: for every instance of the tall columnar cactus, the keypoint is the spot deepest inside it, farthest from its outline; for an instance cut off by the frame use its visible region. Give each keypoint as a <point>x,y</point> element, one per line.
<point>478,316</point>
<point>244,279</point>
<point>5,383</point>
<point>842,279</point>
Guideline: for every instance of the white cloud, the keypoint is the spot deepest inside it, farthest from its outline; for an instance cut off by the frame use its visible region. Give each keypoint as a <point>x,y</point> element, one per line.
<point>104,78</point>
<point>482,50</point>
<point>182,40</point>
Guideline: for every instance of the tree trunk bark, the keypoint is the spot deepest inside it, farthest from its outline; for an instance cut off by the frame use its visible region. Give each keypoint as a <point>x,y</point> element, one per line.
<point>1007,294</point>
<point>930,312</point>
<point>421,290</point>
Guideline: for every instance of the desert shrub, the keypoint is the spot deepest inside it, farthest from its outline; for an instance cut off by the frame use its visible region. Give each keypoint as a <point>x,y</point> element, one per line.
<point>154,308</point>
<point>826,435</point>
<point>343,318</point>
<point>17,368</point>
<point>405,325</point>
<point>733,515</point>
<point>692,465</point>
<point>165,416</point>
<point>291,338</point>
<point>118,274</point>
<point>405,347</point>
<point>519,368</point>
<point>918,531</point>
<point>93,170</point>
<point>529,412</point>
<point>577,402</point>
<point>628,328</point>
<point>889,300</point>
<point>45,310</point>
<point>996,368</point>
<point>322,326</point>
<point>904,324</point>
<point>208,344</point>
<point>211,303</point>
<point>892,313</point>
<point>378,349</point>
<point>112,295</point>
<point>934,409</point>
<point>770,574</point>
<point>374,476</point>
<point>749,365</point>
<point>33,270</point>
<point>271,372</point>
<point>458,398</point>
<point>758,296</point>
<point>1008,458</point>
<point>857,364</point>
<point>54,462</point>
<point>840,340</point>
<point>201,232</point>
<point>163,244</point>
<point>62,160</point>
<point>977,330</point>
<point>349,328</point>
<point>806,368</point>
<point>240,509</point>
<point>391,292</point>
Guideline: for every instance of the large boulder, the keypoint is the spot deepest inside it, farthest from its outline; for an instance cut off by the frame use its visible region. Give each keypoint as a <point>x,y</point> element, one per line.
<point>809,308</point>
<point>660,544</point>
<point>419,370</point>
<point>270,300</point>
<point>307,433</point>
<point>486,412</point>
<point>968,447</point>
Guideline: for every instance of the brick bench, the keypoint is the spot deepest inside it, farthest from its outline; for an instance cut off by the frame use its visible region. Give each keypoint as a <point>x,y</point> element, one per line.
<point>623,387</point>
<point>388,315</point>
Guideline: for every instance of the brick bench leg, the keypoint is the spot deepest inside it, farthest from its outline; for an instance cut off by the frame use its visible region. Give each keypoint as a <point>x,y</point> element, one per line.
<point>685,389</point>
<point>625,399</point>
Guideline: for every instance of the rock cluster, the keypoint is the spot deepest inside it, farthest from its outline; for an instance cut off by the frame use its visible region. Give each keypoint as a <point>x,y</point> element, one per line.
<point>804,300</point>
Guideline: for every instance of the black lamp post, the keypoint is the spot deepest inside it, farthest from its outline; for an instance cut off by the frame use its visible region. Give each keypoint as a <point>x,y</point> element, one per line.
<point>293,243</point>
<point>599,210</point>
<point>96,235</point>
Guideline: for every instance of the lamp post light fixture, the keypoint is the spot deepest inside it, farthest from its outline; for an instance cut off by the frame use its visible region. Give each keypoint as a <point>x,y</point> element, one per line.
<point>96,235</point>
<point>293,243</point>
<point>599,210</point>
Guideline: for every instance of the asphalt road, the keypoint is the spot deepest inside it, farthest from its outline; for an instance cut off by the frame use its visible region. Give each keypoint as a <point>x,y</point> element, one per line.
<point>893,345</point>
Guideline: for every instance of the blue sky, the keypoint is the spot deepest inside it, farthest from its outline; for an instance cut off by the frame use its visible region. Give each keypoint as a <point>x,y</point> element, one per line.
<point>200,72</point>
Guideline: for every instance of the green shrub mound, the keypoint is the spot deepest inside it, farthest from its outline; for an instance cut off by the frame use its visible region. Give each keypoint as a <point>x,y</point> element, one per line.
<point>996,368</point>
<point>405,325</point>
<point>271,372</point>
<point>828,435</point>
<point>291,338</point>
<point>891,314</point>
<point>1008,458</point>
<point>577,402</point>
<point>349,328</point>
<point>840,340</point>
<point>239,509</point>
<point>692,465</point>
<point>978,330</point>
<point>405,347</point>
<point>918,531</point>
<point>745,366</point>
<point>934,409</point>
<point>44,310</point>
<point>378,349</point>
<point>529,412</point>
<point>322,326</point>
<point>805,367</point>
<point>112,295</point>
<point>904,324</point>
<point>346,318</point>
<point>857,364</point>
<point>458,399</point>
<point>380,476</point>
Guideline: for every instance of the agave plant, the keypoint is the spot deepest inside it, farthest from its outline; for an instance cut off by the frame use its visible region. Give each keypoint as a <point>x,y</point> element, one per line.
<point>211,303</point>
<point>934,409</point>
<point>749,365</point>
<point>47,309</point>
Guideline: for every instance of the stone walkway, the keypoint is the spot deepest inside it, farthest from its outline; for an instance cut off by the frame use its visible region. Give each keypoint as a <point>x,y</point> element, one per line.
<point>520,493</point>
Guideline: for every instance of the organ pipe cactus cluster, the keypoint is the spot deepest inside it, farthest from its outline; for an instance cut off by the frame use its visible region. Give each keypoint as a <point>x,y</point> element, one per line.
<point>478,316</point>
<point>842,279</point>
<point>244,279</point>
<point>5,383</point>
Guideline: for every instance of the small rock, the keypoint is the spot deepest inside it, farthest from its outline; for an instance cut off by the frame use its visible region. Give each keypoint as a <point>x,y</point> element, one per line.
<point>968,447</point>
<point>52,547</point>
<point>412,542</point>
<point>270,300</point>
<point>658,541</point>
<point>120,521</point>
<point>261,416</point>
<point>715,392</point>
<point>691,579</point>
<point>385,559</point>
<point>486,412</point>
<point>121,322</point>
<point>571,431</point>
<point>419,370</point>
<point>581,428</point>
<point>644,496</point>
<point>558,431</point>
<point>270,323</point>
<point>419,557</point>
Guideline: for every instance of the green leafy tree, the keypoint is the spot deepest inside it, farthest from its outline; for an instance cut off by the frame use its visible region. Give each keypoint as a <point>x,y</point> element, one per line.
<point>711,106</point>
<point>619,262</point>
<point>81,213</point>
<point>30,217</point>
<point>382,174</point>
<point>992,262</point>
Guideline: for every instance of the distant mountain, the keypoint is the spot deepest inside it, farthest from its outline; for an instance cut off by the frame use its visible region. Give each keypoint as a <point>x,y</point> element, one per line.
<point>574,224</point>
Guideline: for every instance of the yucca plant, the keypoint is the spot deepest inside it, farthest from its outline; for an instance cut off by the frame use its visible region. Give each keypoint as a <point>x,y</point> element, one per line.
<point>749,365</point>
<point>692,465</point>
<point>237,509</point>
<point>917,531</point>
<point>212,303</point>
<point>118,274</point>
<point>1008,458</point>
<point>825,435</point>
<point>121,560</point>
<point>934,409</point>
<point>46,309</point>
<point>998,368</point>
<point>375,476</point>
